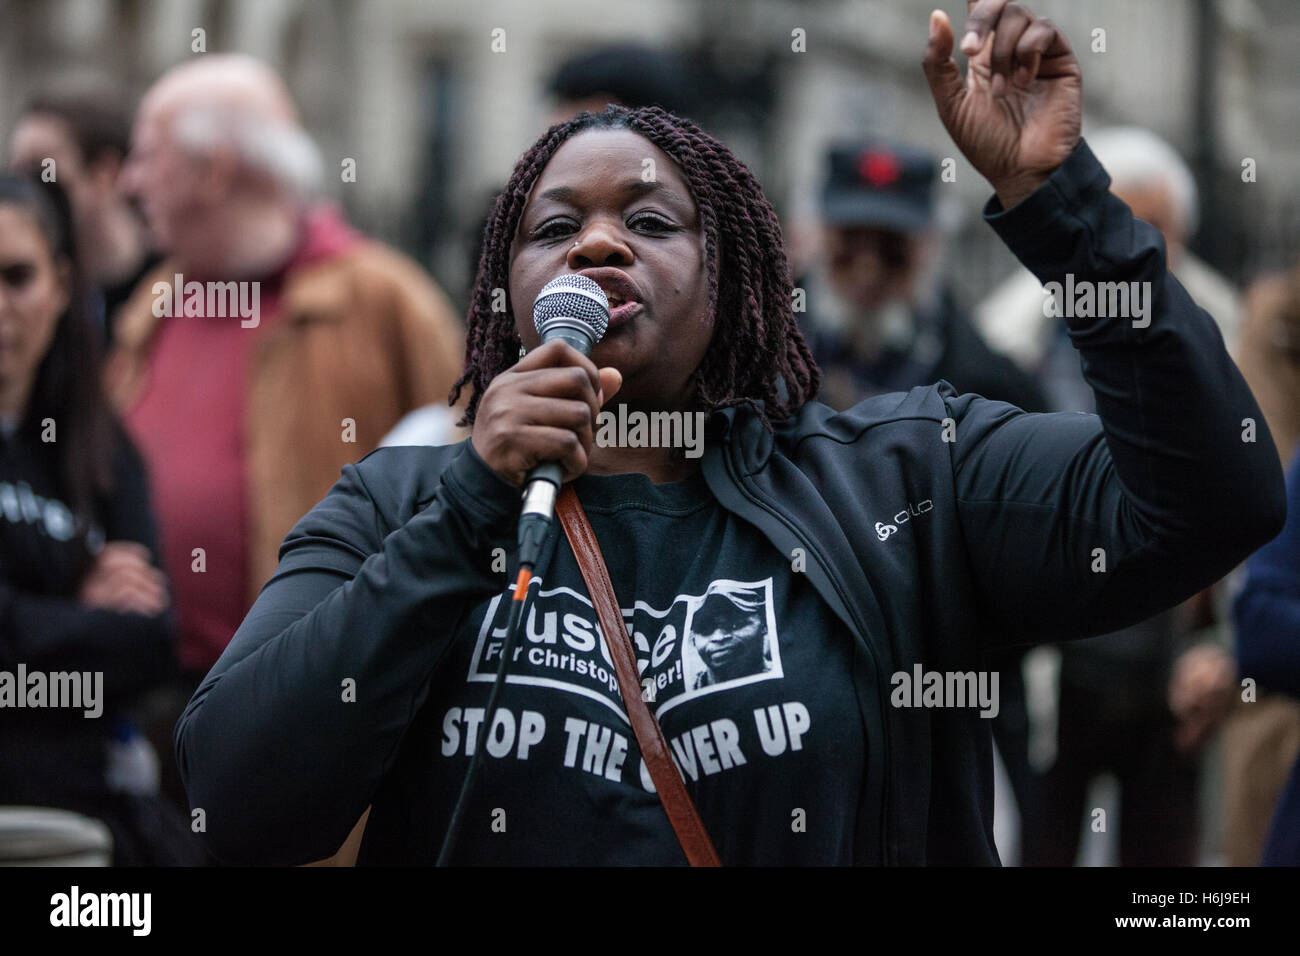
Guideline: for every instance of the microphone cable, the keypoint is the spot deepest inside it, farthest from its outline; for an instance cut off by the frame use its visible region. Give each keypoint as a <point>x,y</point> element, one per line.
<point>517,602</point>
<point>534,525</point>
<point>575,309</point>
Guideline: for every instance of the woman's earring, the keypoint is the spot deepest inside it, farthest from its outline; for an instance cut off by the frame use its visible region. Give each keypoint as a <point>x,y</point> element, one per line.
<point>522,351</point>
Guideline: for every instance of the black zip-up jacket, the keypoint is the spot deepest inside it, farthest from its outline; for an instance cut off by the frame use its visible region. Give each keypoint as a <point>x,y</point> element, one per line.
<point>936,526</point>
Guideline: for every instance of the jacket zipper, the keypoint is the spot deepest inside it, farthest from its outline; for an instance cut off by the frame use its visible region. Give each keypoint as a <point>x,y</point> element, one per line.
<point>881,695</point>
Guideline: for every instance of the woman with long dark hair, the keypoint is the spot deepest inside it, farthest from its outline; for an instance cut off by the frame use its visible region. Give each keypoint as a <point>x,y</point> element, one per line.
<point>810,595</point>
<point>80,592</point>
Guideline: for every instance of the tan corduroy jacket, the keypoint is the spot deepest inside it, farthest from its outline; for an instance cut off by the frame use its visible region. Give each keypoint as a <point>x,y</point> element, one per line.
<point>360,340</point>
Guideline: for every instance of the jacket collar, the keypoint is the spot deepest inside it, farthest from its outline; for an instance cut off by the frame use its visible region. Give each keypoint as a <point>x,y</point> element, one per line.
<point>739,432</point>
<point>740,429</point>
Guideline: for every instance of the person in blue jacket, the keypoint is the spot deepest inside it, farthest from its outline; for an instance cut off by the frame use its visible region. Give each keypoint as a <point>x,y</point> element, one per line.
<point>1266,614</point>
<point>885,550</point>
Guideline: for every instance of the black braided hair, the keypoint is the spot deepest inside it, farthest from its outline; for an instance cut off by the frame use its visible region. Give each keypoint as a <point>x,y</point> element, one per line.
<point>757,352</point>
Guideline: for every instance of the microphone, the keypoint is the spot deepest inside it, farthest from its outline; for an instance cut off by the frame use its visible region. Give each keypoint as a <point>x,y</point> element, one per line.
<point>572,308</point>
<point>575,309</point>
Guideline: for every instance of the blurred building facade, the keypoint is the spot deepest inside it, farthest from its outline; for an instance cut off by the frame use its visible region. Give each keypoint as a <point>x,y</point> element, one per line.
<point>435,100</point>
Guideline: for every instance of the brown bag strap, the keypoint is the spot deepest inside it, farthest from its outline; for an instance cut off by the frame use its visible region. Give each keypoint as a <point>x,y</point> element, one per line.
<point>668,783</point>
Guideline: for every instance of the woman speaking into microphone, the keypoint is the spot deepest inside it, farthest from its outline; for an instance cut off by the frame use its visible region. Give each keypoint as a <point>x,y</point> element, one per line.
<point>808,597</point>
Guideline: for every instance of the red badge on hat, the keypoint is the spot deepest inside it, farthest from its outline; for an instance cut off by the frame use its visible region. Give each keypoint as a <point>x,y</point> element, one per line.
<point>878,168</point>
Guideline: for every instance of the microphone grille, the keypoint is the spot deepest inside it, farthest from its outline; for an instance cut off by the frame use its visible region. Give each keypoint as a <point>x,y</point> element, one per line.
<point>573,296</point>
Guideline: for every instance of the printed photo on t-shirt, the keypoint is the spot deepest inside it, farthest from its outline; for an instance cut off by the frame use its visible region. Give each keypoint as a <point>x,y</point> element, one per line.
<point>700,644</point>
<point>728,640</point>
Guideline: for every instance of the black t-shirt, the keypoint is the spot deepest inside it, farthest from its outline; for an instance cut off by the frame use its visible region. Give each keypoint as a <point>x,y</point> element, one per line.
<point>44,547</point>
<point>747,671</point>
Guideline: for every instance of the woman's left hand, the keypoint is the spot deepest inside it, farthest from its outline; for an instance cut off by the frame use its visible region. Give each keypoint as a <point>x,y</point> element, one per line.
<point>123,579</point>
<point>1017,113</point>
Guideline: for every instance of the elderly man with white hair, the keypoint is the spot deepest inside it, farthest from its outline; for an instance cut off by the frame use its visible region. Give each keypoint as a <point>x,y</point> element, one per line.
<point>273,346</point>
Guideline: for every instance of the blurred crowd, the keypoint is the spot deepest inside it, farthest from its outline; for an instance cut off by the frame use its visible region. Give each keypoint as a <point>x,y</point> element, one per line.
<point>162,428</point>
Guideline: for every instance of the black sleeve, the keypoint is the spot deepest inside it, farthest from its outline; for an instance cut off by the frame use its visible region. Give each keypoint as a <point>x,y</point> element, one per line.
<point>282,764</point>
<point>1077,524</point>
<point>135,652</point>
